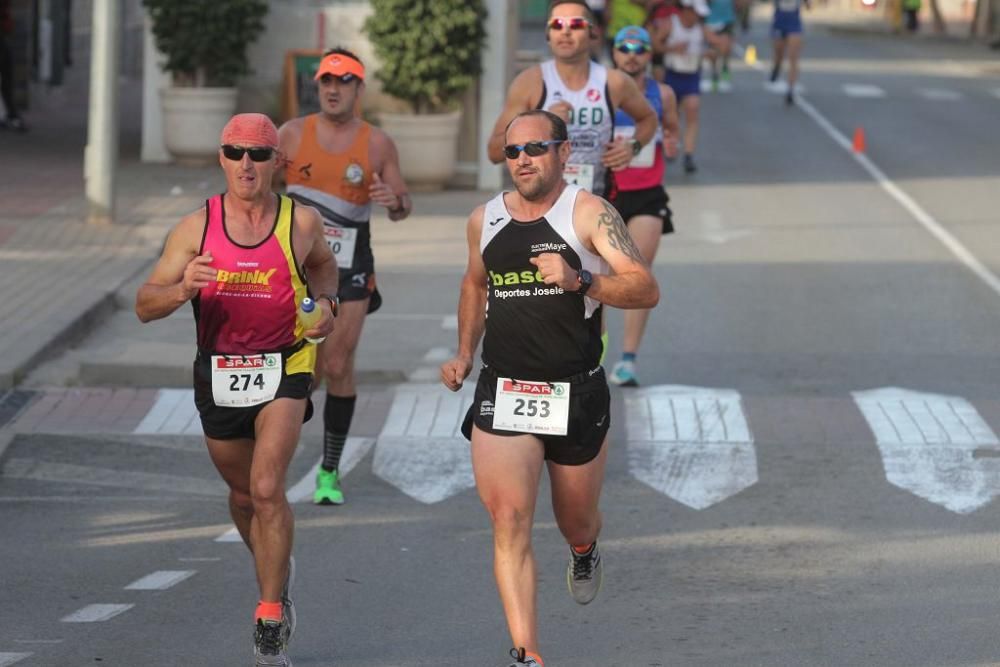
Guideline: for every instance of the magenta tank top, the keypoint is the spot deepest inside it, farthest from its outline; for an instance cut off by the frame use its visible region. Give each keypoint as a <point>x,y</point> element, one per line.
<point>252,306</point>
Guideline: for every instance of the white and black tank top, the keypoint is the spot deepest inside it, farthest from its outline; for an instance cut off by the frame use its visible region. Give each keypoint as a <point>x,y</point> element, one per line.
<point>592,121</point>
<point>536,331</point>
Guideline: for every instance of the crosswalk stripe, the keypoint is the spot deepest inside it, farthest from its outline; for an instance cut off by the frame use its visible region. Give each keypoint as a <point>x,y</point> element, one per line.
<point>939,94</point>
<point>160,580</point>
<point>863,90</point>
<point>933,446</point>
<point>7,659</point>
<point>421,450</point>
<point>692,444</point>
<point>231,535</point>
<point>96,613</point>
<point>355,449</point>
<point>52,471</point>
<point>168,401</point>
<point>996,93</point>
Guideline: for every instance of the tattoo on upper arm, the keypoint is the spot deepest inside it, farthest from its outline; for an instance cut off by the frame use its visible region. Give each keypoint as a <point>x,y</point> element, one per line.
<point>618,236</point>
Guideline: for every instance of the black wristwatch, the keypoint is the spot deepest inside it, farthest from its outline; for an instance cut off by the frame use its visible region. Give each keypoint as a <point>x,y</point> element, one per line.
<point>334,303</point>
<point>636,146</point>
<point>584,279</point>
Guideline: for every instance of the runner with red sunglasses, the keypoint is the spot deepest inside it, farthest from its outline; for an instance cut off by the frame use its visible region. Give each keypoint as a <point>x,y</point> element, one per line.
<point>585,95</point>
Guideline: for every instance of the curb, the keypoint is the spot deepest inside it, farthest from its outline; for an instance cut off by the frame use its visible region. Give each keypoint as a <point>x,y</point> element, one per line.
<point>78,326</point>
<point>6,437</point>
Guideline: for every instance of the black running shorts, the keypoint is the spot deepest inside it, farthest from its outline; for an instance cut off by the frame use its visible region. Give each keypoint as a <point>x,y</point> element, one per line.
<point>652,201</point>
<point>589,417</point>
<point>358,282</point>
<point>228,423</point>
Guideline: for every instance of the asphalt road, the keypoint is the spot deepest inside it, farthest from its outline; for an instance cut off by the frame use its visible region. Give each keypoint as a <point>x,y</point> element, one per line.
<point>829,525</point>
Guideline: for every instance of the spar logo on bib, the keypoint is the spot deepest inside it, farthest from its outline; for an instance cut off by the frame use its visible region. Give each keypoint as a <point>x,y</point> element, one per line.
<point>257,362</point>
<point>593,94</point>
<point>532,388</point>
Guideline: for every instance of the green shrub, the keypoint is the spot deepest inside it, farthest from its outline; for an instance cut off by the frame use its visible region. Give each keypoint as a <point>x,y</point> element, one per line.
<point>429,50</point>
<point>205,41</point>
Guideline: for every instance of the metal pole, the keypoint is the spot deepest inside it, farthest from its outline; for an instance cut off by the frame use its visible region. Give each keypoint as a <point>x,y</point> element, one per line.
<point>497,65</point>
<point>101,156</point>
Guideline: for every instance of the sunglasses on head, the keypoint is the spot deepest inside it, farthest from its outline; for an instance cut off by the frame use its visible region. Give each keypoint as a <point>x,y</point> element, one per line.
<point>258,154</point>
<point>632,47</point>
<point>532,148</point>
<point>573,22</point>
<point>343,78</point>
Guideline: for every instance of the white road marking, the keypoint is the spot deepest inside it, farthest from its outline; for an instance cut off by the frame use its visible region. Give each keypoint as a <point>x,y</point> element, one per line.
<point>199,560</point>
<point>450,323</point>
<point>863,90</point>
<point>714,230</point>
<point>231,535</point>
<point>424,374</point>
<point>160,580</point>
<point>7,659</point>
<point>438,355</point>
<point>52,471</point>
<point>933,227</point>
<point>421,450</point>
<point>939,94</point>
<point>355,449</point>
<point>692,444</point>
<point>167,402</point>
<point>932,446</point>
<point>96,613</point>
<point>996,93</point>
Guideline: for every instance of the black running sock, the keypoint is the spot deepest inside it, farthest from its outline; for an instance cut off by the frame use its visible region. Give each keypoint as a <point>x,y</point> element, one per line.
<point>774,73</point>
<point>337,415</point>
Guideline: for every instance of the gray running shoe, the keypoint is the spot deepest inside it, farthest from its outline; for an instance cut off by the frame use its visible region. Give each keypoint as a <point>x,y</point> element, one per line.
<point>270,643</point>
<point>585,574</point>
<point>287,606</point>
<point>521,659</point>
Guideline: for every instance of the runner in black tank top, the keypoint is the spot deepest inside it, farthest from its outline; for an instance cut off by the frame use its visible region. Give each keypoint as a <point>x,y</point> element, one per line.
<point>542,260</point>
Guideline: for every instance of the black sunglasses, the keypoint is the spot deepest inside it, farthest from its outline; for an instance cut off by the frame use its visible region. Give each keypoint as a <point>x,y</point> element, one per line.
<point>343,78</point>
<point>631,47</point>
<point>532,148</point>
<point>260,154</point>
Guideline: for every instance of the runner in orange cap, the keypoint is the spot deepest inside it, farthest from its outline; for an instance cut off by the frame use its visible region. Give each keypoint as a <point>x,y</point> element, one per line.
<point>341,165</point>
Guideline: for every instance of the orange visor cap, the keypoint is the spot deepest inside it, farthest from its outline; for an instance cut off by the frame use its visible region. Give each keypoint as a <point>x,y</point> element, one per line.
<point>338,65</point>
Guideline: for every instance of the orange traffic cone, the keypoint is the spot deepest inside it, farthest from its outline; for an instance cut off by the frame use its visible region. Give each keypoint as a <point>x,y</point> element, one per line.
<point>859,140</point>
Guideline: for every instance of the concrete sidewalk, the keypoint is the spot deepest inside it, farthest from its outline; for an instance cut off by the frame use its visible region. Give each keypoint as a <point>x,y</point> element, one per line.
<point>62,278</point>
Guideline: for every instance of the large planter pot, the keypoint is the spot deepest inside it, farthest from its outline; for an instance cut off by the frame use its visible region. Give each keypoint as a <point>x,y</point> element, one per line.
<point>428,146</point>
<point>193,119</point>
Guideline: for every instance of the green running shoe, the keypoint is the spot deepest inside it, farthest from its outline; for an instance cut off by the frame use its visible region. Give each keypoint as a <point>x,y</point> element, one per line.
<point>328,488</point>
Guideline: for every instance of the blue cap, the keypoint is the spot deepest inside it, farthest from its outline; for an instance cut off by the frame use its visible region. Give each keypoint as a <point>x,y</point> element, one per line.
<point>632,33</point>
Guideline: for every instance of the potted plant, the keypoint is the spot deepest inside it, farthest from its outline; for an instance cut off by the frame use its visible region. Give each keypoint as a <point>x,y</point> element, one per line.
<point>429,53</point>
<point>204,44</point>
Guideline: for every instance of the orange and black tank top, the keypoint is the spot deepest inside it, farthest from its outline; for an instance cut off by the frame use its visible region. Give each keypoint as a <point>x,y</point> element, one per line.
<point>252,306</point>
<point>335,184</point>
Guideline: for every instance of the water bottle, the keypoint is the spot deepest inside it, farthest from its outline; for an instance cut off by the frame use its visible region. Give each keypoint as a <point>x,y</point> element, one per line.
<point>309,316</point>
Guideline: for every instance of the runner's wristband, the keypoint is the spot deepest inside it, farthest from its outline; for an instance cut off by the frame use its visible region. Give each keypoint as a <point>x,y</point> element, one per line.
<point>334,303</point>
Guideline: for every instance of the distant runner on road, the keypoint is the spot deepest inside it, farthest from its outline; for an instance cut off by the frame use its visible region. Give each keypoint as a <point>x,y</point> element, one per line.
<point>640,198</point>
<point>786,30</point>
